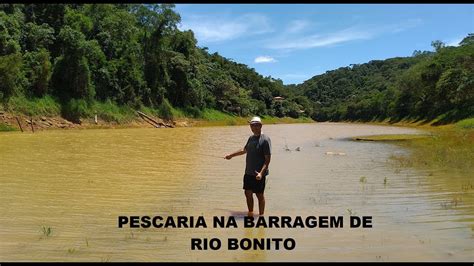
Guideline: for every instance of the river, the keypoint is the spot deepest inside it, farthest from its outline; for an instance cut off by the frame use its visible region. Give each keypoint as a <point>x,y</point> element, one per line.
<point>62,192</point>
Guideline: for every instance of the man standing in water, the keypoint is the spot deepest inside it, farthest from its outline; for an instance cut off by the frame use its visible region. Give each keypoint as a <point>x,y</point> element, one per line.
<point>258,150</point>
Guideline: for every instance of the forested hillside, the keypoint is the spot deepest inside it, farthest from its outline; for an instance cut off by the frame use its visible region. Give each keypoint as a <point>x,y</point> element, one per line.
<point>426,86</point>
<point>102,55</point>
<point>79,59</point>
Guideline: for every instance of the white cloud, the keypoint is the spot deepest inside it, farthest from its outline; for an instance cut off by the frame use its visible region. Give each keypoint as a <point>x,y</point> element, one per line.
<point>316,40</point>
<point>264,59</point>
<point>211,29</point>
<point>289,40</point>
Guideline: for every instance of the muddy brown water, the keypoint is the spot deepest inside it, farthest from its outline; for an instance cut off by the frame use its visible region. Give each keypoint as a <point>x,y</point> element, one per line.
<point>78,182</point>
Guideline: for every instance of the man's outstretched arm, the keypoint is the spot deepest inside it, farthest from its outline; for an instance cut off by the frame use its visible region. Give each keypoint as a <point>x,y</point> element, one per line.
<point>237,153</point>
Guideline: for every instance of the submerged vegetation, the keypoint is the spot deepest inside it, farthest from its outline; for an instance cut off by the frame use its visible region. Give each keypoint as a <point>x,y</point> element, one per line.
<point>109,60</point>
<point>47,231</point>
<point>450,148</point>
<point>466,124</point>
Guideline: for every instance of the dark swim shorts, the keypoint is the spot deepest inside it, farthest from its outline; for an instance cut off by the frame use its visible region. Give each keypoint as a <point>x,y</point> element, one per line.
<point>251,183</point>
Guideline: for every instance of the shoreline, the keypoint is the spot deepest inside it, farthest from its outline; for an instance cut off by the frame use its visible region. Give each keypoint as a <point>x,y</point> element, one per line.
<point>10,122</point>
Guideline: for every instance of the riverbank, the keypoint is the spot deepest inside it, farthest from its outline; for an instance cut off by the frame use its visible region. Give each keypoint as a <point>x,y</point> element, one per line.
<point>446,148</point>
<point>449,148</point>
<point>20,113</point>
<point>21,122</point>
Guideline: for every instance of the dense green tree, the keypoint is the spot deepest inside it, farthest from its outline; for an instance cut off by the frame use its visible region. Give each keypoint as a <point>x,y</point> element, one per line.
<point>71,74</point>
<point>10,71</point>
<point>10,33</point>
<point>37,37</point>
<point>38,70</point>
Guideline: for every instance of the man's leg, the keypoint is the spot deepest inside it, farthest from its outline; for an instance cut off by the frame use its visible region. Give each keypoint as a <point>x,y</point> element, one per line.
<point>249,196</point>
<point>261,203</point>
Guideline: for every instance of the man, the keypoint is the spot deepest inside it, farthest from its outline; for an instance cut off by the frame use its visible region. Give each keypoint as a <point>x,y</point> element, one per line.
<point>258,150</point>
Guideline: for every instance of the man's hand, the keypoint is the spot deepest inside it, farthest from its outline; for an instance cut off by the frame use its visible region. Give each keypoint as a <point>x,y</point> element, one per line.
<point>259,175</point>
<point>228,157</point>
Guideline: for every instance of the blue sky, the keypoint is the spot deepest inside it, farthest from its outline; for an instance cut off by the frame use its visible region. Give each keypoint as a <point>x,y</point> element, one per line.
<point>294,42</point>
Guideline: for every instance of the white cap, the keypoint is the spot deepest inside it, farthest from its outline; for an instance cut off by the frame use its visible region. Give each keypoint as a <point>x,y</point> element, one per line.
<point>255,120</point>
